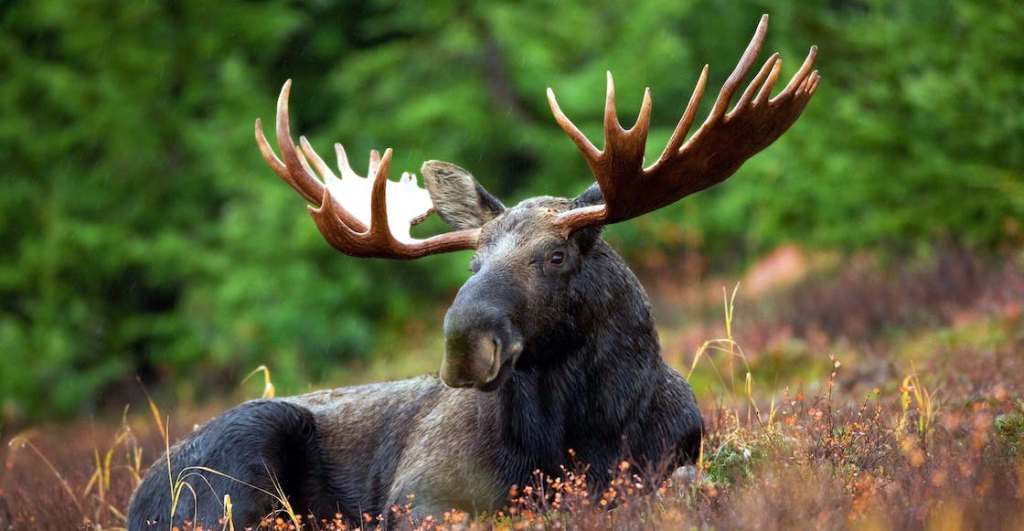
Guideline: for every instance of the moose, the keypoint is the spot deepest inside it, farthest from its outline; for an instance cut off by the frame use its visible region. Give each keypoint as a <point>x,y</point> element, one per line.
<point>550,347</point>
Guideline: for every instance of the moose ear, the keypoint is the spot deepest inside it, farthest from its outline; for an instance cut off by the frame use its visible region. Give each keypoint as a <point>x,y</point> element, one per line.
<point>590,197</point>
<point>460,201</point>
<point>586,238</point>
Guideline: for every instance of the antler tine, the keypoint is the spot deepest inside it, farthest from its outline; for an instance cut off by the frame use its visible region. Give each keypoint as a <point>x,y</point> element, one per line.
<point>307,169</point>
<point>799,76</point>
<point>755,83</point>
<point>686,121</point>
<point>766,88</point>
<point>306,184</point>
<point>312,157</point>
<point>582,142</point>
<point>378,198</point>
<point>814,86</point>
<point>742,68</point>
<point>643,120</point>
<point>611,116</point>
<point>344,168</point>
<point>612,126</point>
<point>271,158</point>
<point>374,164</point>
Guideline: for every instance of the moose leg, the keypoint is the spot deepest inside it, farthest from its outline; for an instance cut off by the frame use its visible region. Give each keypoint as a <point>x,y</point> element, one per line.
<point>255,453</point>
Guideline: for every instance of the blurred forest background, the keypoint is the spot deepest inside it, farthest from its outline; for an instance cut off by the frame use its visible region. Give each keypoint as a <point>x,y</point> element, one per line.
<point>143,236</point>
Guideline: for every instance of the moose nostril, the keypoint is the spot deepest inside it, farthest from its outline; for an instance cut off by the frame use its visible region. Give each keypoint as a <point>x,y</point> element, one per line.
<point>495,366</point>
<point>484,356</point>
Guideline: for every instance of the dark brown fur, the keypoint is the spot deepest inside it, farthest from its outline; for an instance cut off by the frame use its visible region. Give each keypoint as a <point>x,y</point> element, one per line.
<point>546,357</point>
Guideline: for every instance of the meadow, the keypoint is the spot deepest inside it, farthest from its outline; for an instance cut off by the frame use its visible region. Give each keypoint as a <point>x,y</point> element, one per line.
<point>841,394</point>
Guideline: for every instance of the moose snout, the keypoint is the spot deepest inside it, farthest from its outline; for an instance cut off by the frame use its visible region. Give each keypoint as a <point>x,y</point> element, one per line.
<point>470,361</point>
<point>480,344</point>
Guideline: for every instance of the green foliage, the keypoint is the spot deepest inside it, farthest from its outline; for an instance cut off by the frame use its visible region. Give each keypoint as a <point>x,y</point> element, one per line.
<point>142,233</point>
<point>733,461</point>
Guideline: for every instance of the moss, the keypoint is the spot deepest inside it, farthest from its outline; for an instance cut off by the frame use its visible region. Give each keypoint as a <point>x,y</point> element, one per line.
<point>1010,429</point>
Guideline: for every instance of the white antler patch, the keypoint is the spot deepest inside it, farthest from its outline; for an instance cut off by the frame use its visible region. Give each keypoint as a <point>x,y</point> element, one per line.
<point>408,204</point>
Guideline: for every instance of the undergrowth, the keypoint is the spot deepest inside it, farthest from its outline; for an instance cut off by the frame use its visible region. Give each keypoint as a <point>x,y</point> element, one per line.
<point>922,437</point>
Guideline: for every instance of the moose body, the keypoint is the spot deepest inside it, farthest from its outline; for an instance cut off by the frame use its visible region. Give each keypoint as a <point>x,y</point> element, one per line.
<point>597,385</point>
<point>550,346</point>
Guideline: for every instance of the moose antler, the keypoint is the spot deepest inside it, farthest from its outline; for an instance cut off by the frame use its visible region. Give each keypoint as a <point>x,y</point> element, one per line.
<point>360,216</point>
<point>721,145</point>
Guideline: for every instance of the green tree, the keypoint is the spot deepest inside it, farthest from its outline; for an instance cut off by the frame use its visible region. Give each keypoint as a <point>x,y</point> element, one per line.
<point>142,233</point>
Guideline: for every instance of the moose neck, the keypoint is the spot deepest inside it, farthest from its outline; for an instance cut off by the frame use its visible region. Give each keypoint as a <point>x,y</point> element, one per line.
<point>589,381</point>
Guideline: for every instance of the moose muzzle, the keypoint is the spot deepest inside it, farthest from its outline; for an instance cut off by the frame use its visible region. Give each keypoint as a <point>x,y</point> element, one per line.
<point>481,343</point>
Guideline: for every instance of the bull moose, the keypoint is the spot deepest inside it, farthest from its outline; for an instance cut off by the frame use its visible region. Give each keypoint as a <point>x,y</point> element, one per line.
<point>550,345</point>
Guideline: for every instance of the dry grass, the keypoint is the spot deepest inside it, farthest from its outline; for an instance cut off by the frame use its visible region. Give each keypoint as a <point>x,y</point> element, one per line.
<point>922,430</point>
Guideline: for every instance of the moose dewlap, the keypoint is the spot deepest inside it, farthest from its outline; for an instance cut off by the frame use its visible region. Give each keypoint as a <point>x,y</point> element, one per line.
<point>549,346</point>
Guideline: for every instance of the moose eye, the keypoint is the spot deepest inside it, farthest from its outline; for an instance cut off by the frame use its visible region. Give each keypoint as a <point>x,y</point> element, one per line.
<point>556,258</point>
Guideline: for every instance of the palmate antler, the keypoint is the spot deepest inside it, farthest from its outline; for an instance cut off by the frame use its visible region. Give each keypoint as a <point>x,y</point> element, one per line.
<point>721,145</point>
<point>372,216</point>
<point>368,217</point>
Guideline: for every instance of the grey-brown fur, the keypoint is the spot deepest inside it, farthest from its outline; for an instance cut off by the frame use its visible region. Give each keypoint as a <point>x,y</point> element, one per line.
<point>458,199</point>
<point>540,358</point>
